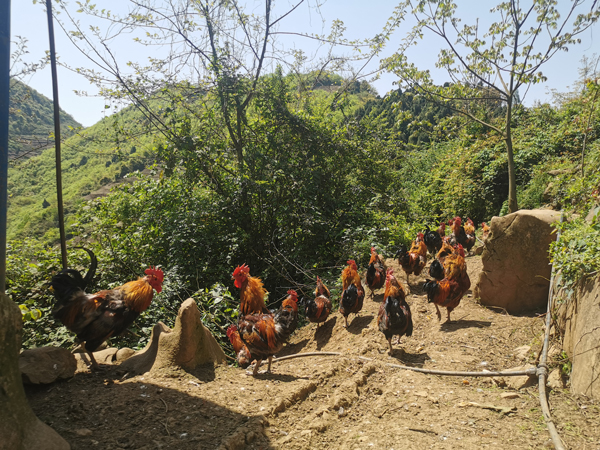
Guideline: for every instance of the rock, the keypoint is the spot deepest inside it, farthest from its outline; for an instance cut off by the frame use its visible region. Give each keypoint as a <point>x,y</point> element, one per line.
<point>547,195</point>
<point>555,381</point>
<point>592,213</point>
<point>522,353</point>
<point>44,365</point>
<point>124,353</point>
<point>520,382</point>
<point>579,317</point>
<point>83,432</point>
<point>559,172</point>
<point>188,345</point>
<point>479,250</point>
<point>509,395</point>
<point>516,268</point>
<point>106,356</point>
<point>19,426</point>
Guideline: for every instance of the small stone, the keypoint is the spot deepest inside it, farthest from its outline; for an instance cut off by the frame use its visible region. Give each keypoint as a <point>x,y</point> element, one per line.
<point>509,395</point>
<point>555,380</point>
<point>522,353</point>
<point>83,432</point>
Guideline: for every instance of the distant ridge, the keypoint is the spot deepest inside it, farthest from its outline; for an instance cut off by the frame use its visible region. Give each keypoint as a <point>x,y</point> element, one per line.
<point>31,121</point>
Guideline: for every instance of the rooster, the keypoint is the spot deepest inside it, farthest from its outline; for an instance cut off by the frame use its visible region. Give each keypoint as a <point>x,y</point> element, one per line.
<point>470,232</point>
<point>375,272</point>
<point>436,268</point>
<point>449,290</point>
<point>464,236</point>
<point>486,232</point>
<point>353,293</point>
<point>432,240</point>
<point>264,334</point>
<point>97,317</point>
<point>252,292</point>
<point>394,316</point>
<point>442,230</point>
<point>317,310</point>
<point>241,351</point>
<point>414,260</point>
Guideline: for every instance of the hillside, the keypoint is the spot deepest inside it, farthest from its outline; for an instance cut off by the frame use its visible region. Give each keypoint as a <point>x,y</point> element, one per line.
<point>336,401</point>
<point>31,121</point>
<point>91,159</point>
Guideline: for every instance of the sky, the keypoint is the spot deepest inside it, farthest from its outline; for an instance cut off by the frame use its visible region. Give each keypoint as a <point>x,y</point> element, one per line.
<point>361,19</point>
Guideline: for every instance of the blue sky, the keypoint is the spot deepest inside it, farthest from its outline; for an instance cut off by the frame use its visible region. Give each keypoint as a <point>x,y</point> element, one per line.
<point>361,19</point>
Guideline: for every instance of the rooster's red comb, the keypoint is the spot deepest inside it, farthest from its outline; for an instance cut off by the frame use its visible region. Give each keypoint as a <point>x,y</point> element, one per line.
<point>232,329</point>
<point>352,264</point>
<point>239,270</point>
<point>373,250</point>
<point>155,271</point>
<point>292,293</point>
<point>390,271</point>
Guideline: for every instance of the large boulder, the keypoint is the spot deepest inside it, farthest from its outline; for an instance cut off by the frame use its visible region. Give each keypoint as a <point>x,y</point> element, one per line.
<point>45,365</point>
<point>188,345</point>
<point>578,318</point>
<point>20,429</point>
<point>516,268</point>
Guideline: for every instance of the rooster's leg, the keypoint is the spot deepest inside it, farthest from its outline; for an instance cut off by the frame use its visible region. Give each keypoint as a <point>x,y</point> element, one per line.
<point>449,316</point>
<point>390,343</point>
<point>269,367</point>
<point>256,367</point>
<point>439,314</point>
<point>346,319</point>
<point>94,365</point>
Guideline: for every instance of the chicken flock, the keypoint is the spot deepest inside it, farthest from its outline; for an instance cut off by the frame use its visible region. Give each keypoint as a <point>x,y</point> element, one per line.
<point>261,333</point>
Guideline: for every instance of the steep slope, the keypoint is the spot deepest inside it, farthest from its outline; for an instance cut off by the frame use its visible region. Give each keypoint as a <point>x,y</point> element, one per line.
<point>31,120</point>
<point>336,401</point>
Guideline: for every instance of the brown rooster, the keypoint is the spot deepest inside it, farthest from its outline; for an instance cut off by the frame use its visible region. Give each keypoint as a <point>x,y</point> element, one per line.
<point>448,291</point>
<point>241,351</point>
<point>317,310</point>
<point>442,230</point>
<point>375,272</point>
<point>353,293</point>
<point>100,316</point>
<point>252,292</point>
<point>394,318</point>
<point>414,260</point>
<point>460,235</point>
<point>264,334</point>
<point>486,231</point>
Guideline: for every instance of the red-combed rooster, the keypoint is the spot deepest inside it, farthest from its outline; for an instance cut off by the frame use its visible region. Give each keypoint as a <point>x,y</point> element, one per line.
<point>353,293</point>
<point>450,290</point>
<point>317,310</point>
<point>461,236</point>
<point>97,317</point>
<point>414,260</point>
<point>264,334</point>
<point>243,356</point>
<point>486,231</point>
<point>375,272</point>
<point>394,318</point>
<point>252,292</point>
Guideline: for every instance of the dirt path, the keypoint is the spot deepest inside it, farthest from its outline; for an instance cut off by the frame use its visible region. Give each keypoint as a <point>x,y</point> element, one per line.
<point>337,402</point>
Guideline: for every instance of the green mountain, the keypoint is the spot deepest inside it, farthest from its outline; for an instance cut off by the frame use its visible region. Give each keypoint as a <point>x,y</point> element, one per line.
<point>95,158</point>
<point>31,121</point>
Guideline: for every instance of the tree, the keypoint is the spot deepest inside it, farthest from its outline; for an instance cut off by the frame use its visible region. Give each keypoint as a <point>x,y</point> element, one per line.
<point>491,67</point>
<point>220,99</point>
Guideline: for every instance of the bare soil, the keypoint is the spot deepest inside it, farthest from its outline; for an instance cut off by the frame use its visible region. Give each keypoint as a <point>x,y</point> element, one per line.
<point>337,401</point>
